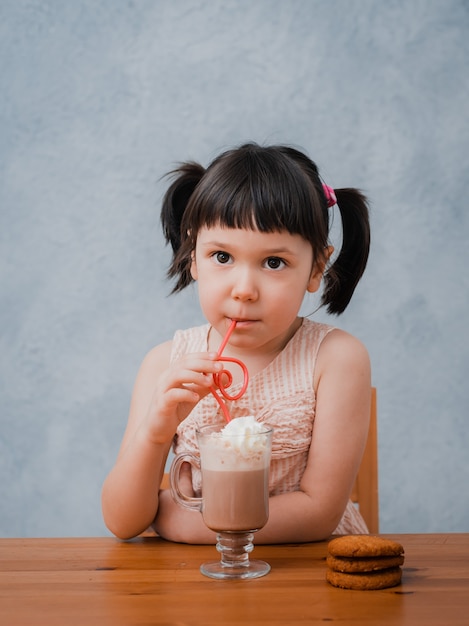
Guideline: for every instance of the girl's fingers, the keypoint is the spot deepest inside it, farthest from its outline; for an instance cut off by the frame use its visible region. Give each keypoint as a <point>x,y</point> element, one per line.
<point>194,369</point>
<point>179,389</point>
<point>179,395</point>
<point>202,361</point>
<point>187,379</point>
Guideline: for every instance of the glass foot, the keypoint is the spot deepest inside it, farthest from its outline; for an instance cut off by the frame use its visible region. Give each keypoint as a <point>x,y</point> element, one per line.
<point>255,569</point>
<point>234,564</point>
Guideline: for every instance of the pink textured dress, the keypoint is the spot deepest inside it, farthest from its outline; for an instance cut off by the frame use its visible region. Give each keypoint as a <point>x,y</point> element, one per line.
<point>280,395</point>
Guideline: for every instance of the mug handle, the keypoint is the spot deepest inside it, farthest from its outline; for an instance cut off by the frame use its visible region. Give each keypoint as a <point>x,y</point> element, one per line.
<point>195,504</point>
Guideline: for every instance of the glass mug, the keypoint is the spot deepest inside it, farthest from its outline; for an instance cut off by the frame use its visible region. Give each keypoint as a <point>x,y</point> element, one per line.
<point>235,495</point>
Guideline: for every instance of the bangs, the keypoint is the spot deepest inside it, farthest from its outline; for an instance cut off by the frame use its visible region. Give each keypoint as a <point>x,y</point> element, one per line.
<point>255,189</point>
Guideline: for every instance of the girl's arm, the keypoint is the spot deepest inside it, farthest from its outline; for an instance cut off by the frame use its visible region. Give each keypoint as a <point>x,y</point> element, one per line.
<point>343,395</point>
<point>163,396</point>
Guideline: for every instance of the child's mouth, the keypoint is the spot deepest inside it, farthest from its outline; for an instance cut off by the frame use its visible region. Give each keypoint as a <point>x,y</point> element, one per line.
<point>244,322</point>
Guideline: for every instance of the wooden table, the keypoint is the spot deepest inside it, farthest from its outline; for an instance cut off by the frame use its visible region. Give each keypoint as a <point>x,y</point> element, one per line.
<point>91,581</point>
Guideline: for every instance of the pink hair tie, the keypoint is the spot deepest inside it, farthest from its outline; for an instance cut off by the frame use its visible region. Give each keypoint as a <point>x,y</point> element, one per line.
<point>330,195</point>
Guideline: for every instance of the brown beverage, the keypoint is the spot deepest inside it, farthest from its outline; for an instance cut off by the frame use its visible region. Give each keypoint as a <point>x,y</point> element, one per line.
<point>234,461</point>
<point>235,500</point>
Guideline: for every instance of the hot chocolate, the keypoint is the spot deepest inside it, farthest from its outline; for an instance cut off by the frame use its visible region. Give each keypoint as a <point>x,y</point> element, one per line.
<point>235,476</point>
<point>235,500</point>
<point>234,462</point>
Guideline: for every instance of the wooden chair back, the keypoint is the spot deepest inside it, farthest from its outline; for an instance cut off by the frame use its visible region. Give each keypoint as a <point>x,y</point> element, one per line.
<point>365,490</point>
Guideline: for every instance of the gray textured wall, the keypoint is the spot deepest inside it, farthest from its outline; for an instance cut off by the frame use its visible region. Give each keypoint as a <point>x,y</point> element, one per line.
<point>100,98</point>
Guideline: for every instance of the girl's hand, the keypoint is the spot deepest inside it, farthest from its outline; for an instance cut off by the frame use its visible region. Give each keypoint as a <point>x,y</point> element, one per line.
<point>178,390</point>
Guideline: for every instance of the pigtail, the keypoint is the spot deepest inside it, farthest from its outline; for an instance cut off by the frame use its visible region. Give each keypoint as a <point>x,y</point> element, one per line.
<point>342,277</point>
<point>175,202</point>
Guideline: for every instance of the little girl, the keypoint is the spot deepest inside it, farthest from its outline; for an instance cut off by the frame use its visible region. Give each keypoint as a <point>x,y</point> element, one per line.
<point>252,229</point>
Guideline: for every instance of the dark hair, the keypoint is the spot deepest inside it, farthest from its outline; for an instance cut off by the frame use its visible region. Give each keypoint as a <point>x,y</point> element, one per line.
<point>273,188</point>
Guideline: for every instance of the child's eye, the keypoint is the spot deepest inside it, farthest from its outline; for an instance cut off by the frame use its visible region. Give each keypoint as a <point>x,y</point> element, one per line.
<point>275,263</point>
<point>221,257</point>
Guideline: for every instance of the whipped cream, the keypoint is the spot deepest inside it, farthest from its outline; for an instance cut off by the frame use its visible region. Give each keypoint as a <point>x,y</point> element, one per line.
<point>243,434</point>
<point>244,426</point>
<point>242,444</point>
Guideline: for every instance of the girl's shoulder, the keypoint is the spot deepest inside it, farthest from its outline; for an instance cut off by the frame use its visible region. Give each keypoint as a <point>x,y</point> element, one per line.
<point>342,352</point>
<point>318,328</point>
<point>332,337</point>
<point>193,333</point>
<point>187,340</point>
<point>313,333</point>
<point>157,359</point>
<point>194,339</point>
<point>344,343</point>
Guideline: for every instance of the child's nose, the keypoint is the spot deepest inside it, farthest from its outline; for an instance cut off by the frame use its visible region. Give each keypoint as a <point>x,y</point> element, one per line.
<point>244,286</point>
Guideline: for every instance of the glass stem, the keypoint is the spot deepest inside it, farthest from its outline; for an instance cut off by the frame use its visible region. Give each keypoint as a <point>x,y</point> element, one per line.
<point>235,548</point>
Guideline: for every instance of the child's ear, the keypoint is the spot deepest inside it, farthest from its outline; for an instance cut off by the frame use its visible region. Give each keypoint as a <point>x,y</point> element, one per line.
<point>318,270</point>
<point>314,280</point>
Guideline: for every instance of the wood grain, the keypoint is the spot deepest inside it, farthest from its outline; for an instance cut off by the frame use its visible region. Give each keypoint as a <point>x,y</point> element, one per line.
<point>91,581</point>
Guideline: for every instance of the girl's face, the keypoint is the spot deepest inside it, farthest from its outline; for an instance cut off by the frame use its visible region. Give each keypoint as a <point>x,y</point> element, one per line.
<point>256,278</point>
